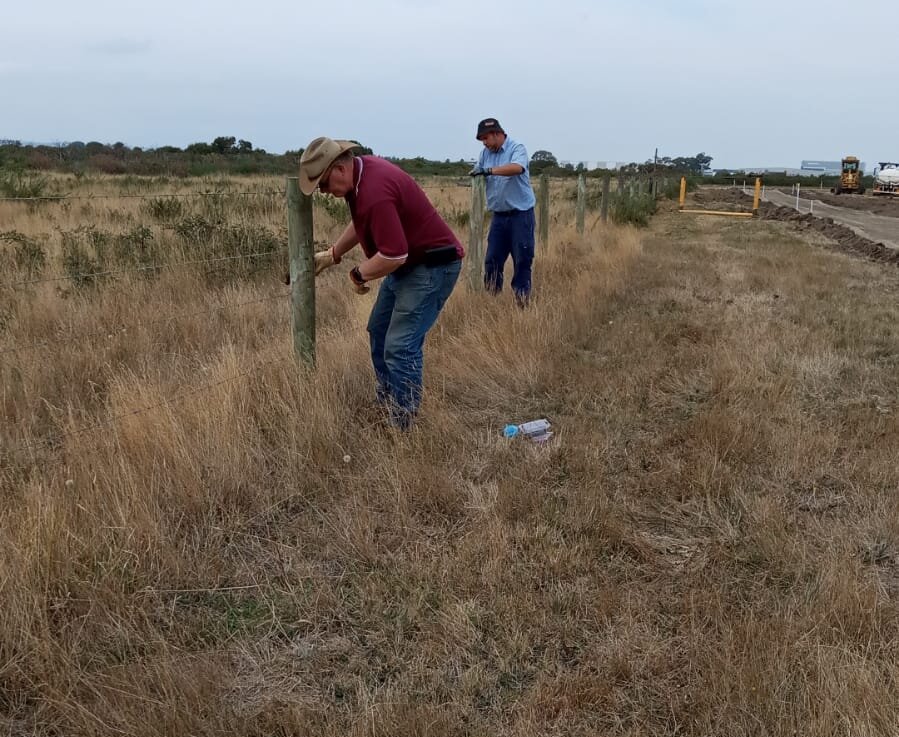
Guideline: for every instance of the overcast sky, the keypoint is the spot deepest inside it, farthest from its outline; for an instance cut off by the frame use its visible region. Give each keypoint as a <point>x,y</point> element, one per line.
<point>751,83</point>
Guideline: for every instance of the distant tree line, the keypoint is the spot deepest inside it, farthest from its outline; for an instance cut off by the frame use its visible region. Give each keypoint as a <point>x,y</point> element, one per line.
<point>543,161</point>
<point>231,155</point>
<point>224,154</point>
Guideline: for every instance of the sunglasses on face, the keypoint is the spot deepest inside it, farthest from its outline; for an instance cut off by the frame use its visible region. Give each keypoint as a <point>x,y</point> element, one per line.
<point>323,182</point>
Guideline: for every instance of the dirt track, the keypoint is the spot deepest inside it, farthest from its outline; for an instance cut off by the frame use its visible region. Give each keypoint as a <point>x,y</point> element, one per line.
<point>888,206</point>
<point>844,237</point>
<point>877,228</point>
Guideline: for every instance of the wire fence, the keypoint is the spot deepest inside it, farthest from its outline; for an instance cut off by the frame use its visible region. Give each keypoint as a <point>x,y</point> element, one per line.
<point>462,183</point>
<point>160,195</point>
<point>138,269</point>
<point>49,443</point>
<point>55,438</point>
<point>63,337</point>
<point>112,330</point>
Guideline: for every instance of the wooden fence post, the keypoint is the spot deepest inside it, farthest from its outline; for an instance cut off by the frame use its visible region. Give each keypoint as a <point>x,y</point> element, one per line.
<point>606,189</point>
<point>300,246</point>
<point>543,204</point>
<point>476,233</point>
<point>581,203</point>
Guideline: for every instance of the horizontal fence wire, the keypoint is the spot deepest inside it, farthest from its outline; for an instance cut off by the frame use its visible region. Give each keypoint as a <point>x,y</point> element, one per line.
<point>458,182</point>
<point>138,269</point>
<point>46,444</point>
<point>122,327</point>
<point>55,437</point>
<point>61,197</point>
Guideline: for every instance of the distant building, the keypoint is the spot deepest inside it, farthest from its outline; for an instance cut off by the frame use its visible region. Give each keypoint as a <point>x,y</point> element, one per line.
<point>808,168</point>
<point>591,165</point>
<point>773,170</point>
<point>823,168</point>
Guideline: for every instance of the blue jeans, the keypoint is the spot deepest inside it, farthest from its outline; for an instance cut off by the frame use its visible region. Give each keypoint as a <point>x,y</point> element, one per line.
<point>511,233</point>
<point>406,308</point>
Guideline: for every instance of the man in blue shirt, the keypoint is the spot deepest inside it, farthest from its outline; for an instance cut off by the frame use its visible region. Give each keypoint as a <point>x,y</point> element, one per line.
<point>504,165</point>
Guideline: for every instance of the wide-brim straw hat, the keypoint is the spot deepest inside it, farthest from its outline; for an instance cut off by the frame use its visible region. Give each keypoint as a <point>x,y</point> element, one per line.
<point>316,159</point>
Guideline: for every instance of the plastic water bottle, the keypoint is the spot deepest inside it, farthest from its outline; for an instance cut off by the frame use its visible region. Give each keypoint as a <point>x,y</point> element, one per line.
<point>535,430</point>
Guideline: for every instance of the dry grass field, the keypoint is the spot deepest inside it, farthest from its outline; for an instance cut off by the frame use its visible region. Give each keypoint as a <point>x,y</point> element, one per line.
<point>708,546</point>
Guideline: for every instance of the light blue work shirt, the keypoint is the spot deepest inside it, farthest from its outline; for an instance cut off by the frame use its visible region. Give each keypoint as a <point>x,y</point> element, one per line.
<point>508,193</point>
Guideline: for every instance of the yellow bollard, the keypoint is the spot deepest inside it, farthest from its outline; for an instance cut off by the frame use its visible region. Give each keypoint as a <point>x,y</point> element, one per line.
<point>758,192</point>
<point>683,191</point>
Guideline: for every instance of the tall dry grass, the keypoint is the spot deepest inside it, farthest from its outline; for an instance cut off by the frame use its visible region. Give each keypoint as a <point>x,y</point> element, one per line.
<point>708,546</point>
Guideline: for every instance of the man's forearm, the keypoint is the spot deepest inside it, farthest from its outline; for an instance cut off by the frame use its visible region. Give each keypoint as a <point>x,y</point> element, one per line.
<point>378,266</point>
<point>507,170</point>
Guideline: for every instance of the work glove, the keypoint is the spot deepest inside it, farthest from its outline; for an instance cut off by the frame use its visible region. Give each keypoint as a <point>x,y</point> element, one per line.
<point>359,286</point>
<point>479,172</point>
<point>324,260</point>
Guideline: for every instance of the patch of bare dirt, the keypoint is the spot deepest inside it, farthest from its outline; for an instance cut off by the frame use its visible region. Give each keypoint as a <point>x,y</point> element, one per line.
<point>888,206</point>
<point>844,238</point>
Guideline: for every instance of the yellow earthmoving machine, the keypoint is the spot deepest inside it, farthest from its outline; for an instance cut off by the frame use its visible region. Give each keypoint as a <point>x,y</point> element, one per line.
<point>850,177</point>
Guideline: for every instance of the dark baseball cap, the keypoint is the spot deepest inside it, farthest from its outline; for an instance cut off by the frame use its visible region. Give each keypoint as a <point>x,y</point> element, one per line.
<point>488,125</point>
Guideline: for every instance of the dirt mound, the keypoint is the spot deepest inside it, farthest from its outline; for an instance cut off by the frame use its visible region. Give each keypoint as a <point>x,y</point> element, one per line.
<point>844,238</point>
<point>888,206</point>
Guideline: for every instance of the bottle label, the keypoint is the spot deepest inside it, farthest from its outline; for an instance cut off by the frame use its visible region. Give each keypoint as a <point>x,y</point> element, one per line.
<point>535,427</point>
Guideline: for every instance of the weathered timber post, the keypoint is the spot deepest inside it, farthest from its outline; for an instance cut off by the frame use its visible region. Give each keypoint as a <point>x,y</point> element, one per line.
<point>543,205</point>
<point>476,233</point>
<point>606,193</point>
<point>581,203</point>
<point>300,246</point>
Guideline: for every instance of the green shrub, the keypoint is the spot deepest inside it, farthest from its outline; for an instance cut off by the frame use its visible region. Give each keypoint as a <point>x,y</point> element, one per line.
<point>671,191</point>
<point>214,206</point>
<point>201,169</point>
<point>633,210</point>
<point>85,251</point>
<point>17,184</point>
<point>99,240</point>
<point>231,249</point>
<point>164,209</point>
<point>197,230</point>
<point>136,248</point>
<point>336,207</point>
<point>27,255</point>
<point>78,264</point>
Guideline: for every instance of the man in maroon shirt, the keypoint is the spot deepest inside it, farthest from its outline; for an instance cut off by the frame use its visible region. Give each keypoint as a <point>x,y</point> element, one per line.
<point>404,240</point>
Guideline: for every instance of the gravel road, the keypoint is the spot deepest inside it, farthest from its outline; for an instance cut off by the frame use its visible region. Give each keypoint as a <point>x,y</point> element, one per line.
<point>877,228</point>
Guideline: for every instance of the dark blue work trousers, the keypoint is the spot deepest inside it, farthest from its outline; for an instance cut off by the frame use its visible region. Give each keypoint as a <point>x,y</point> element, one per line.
<point>511,234</point>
